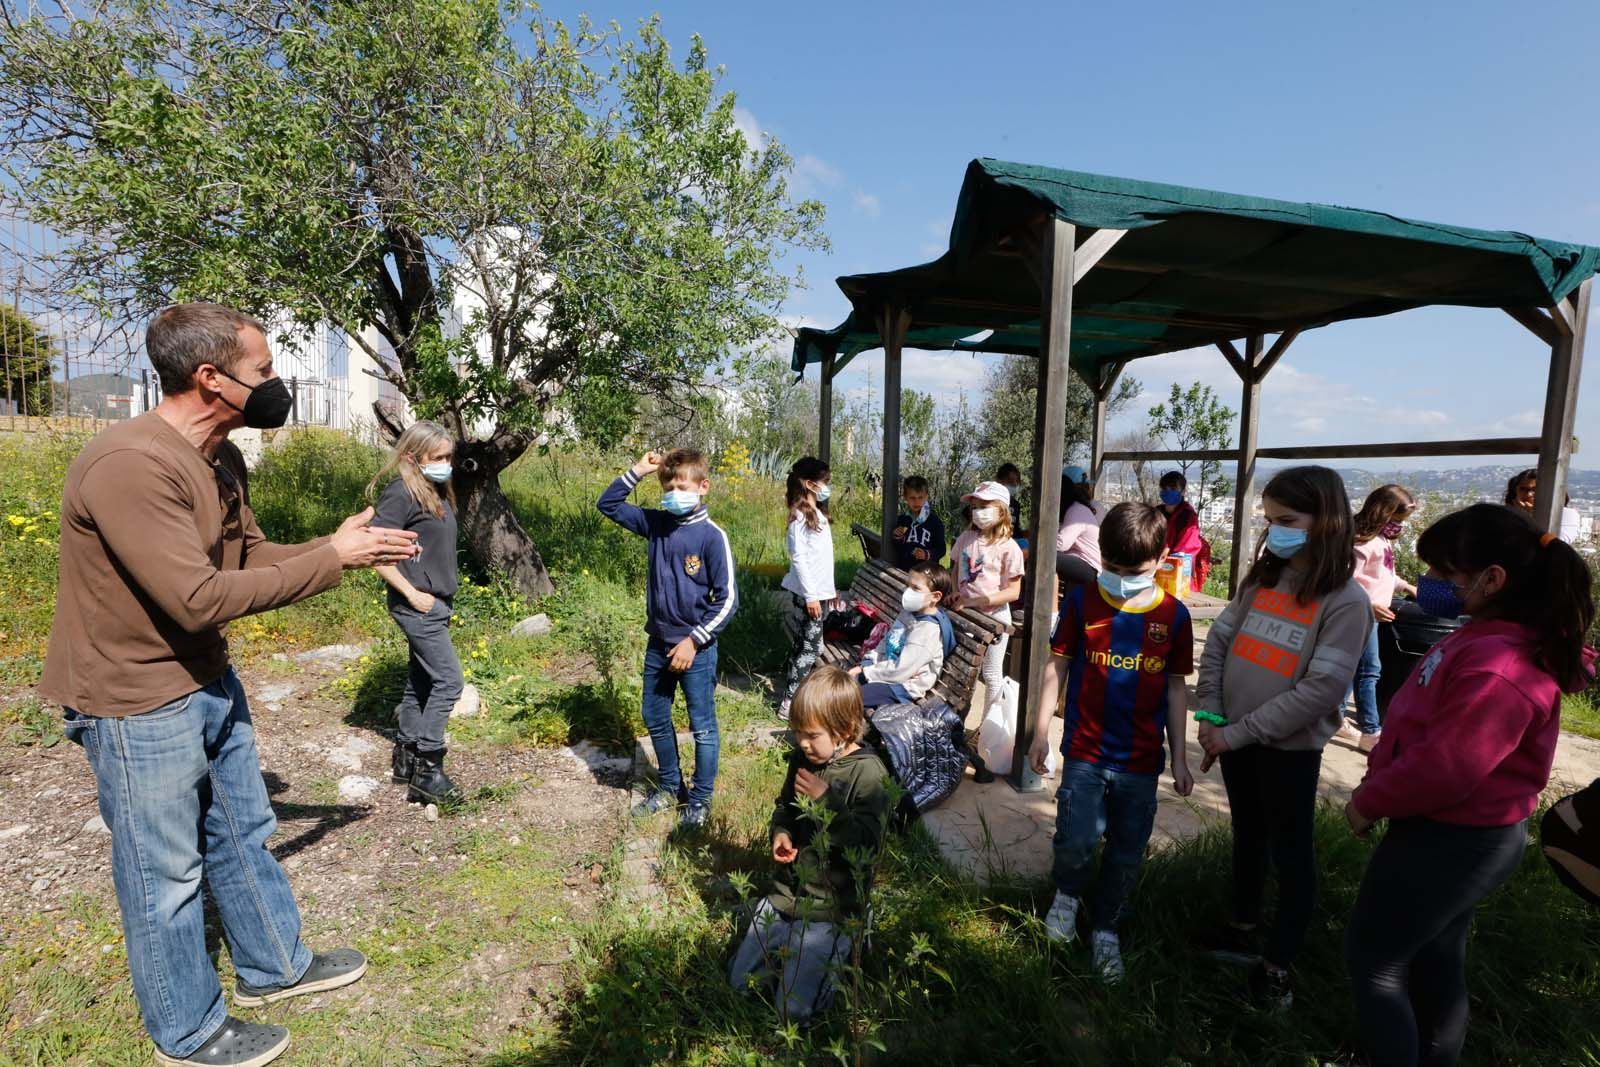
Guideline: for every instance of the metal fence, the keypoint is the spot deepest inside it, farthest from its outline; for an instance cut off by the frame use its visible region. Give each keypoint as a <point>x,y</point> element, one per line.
<point>62,361</point>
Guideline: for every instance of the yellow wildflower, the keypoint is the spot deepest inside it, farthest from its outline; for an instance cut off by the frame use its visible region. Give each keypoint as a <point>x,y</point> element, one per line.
<point>17,520</point>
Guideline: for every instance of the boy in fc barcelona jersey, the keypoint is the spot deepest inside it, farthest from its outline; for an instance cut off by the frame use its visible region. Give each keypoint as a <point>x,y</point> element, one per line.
<point>1122,648</point>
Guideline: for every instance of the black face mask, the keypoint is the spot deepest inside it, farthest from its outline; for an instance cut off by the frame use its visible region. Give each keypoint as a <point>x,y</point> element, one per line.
<point>268,405</point>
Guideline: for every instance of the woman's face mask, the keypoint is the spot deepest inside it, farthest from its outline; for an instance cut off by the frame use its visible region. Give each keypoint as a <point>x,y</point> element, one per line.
<point>984,518</point>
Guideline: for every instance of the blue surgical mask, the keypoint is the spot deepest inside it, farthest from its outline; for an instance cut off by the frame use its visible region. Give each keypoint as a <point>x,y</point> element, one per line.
<point>1123,586</point>
<point>436,472</point>
<point>1285,541</point>
<point>680,501</point>
<point>823,492</point>
<point>1171,497</point>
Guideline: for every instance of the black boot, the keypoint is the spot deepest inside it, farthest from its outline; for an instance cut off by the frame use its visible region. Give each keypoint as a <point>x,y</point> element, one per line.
<point>429,783</point>
<point>403,763</point>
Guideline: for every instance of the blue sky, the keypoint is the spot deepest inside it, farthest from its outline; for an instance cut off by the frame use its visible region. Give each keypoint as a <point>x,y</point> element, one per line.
<point>1467,112</point>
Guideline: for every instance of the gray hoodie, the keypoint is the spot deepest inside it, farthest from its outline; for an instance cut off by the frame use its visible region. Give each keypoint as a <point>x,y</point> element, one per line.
<point>921,657</point>
<point>1278,670</point>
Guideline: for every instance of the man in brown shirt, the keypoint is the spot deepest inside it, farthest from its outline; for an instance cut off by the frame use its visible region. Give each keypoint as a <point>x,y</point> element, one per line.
<point>159,551</point>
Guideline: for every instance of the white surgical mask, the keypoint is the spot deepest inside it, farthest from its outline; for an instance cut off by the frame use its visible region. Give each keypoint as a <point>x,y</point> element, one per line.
<point>822,492</point>
<point>913,600</point>
<point>680,501</point>
<point>436,472</point>
<point>983,518</point>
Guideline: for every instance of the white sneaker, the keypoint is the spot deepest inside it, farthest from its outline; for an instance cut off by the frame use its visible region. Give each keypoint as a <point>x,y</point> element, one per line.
<point>1061,922</point>
<point>1107,955</point>
<point>1370,741</point>
<point>1348,732</point>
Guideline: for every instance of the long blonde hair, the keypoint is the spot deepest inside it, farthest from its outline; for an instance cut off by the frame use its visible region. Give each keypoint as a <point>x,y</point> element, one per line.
<point>420,438</point>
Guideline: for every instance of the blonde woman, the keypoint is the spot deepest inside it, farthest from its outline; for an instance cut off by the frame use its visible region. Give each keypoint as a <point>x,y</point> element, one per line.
<point>420,499</point>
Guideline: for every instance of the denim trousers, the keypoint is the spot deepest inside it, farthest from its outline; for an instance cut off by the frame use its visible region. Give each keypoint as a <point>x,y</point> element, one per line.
<point>699,684</point>
<point>1406,941</point>
<point>1095,802</point>
<point>433,674</point>
<point>181,790</point>
<point>800,955</point>
<point>1365,687</point>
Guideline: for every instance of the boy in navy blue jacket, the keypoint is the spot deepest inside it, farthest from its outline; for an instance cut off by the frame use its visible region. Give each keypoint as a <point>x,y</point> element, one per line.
<point>691,596</point>
<point>918,533</point>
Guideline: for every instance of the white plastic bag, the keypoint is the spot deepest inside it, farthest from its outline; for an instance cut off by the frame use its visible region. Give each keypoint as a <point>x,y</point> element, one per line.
<point>997,734</point>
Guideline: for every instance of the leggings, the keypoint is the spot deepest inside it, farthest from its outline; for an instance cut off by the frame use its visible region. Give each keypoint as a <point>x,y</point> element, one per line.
<point>1406,942</point>
<point>807,649</point>
<point>1272,800</point>
<point>993,671</point>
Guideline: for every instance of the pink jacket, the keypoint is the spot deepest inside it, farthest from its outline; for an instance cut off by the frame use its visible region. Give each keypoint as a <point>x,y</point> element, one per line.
<point>1183,535</point>
<point>1471,735</point>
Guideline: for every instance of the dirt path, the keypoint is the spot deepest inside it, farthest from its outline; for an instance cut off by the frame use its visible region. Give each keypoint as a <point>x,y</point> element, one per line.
<point>367,867</point>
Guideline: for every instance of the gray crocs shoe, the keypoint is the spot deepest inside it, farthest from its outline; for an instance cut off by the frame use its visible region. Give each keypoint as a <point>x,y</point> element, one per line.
<point>235,1044</point>
<point>328,970</point>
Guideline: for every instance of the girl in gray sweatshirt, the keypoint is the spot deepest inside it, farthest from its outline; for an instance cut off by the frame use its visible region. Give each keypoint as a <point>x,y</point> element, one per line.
<point>1276,666</point>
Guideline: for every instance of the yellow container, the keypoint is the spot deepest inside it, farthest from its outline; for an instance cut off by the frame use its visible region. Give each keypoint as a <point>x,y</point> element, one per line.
<point>1169,576</point>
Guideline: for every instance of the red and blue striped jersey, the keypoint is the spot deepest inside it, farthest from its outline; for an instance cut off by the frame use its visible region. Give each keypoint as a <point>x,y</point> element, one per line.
<point>1116,714</point>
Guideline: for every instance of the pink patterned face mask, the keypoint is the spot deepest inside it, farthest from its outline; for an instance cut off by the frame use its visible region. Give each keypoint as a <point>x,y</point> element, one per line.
<point>1391,530</point>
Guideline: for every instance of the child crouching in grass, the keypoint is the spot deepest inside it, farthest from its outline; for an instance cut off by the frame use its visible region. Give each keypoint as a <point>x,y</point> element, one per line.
<point>827,831</point>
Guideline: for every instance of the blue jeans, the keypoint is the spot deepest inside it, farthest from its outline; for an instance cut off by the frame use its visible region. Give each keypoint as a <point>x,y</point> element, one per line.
<point>180,788</point>
<point>1366,684</point>
<point>1095,802</point>
<point>700,693</point>
<point>878,694</point>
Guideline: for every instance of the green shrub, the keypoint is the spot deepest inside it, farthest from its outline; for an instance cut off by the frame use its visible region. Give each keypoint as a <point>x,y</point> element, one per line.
<point>309,481</point>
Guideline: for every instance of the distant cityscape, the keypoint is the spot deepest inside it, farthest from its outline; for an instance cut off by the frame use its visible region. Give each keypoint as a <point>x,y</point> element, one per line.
<point>1444,490</point>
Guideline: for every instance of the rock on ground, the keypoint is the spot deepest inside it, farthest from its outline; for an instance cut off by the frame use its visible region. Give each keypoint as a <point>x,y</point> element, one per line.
<point>469,704</point>
<point>533,626</point>
<point>330,655</point>
<point>354,787</point>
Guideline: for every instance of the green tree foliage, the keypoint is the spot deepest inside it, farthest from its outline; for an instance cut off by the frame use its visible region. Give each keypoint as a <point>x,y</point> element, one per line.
<point>1006,419</point>
<point>1195,419</point>
<point>376,165</point>
<point>27,359</point>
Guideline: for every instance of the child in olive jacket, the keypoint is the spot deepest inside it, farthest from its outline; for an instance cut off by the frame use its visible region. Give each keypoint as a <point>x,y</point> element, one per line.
<point>824,872</point>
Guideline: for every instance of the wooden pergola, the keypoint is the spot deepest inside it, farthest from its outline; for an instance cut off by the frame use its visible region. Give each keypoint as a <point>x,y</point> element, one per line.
<point>1087,273</point>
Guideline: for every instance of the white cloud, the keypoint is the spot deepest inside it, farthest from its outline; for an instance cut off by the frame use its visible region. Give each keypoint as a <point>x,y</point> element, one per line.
<point>1521,424</point>
<point>867,204</point>
<point>744,120</point>
<point>813,176</point>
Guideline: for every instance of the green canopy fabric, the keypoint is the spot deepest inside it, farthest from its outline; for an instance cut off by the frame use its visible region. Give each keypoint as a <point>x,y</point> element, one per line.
<point>1195,268</point>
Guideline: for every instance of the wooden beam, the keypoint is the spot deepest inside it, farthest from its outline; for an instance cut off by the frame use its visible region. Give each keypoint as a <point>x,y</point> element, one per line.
<point>892,327</point>
<point>825,413</point>
<point>1489,446</point>
<point>1561,315</point>
<point>1235,360</point>
<point>1561,407</point>
<point>1097,438</point>
<point>1059,239</point>
<point>1275,353</point>
<point>1093,250</point>
<point>1536,321</point>
<point>1244,476</point>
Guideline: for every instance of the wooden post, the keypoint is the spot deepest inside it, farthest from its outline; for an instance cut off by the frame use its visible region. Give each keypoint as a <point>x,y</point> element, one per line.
<point>825,413</point>
<point>1571,319</point>
<point>1048,449</point>
<point>1245,472</point>
<point>1097,440</point>
<point>892,328</point>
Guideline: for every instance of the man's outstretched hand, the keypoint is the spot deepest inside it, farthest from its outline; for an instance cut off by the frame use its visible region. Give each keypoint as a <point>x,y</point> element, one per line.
<point>360,544</point>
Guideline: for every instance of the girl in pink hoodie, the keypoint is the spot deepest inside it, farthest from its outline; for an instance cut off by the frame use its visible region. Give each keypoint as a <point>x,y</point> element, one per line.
<point>1466,749</point>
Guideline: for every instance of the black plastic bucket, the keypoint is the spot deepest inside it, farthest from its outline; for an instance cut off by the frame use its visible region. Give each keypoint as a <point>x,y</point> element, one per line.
<point>1403,642</point>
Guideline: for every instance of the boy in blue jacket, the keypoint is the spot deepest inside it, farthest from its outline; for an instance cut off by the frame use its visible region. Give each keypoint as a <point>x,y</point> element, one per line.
<point>691,596</point>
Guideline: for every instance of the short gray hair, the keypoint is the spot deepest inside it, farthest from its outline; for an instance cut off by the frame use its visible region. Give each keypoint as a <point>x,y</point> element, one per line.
<point>184,337</point>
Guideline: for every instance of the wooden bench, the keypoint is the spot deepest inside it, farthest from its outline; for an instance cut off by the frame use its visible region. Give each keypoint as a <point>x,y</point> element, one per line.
<point>880,585</point>
<point>871,540</point>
